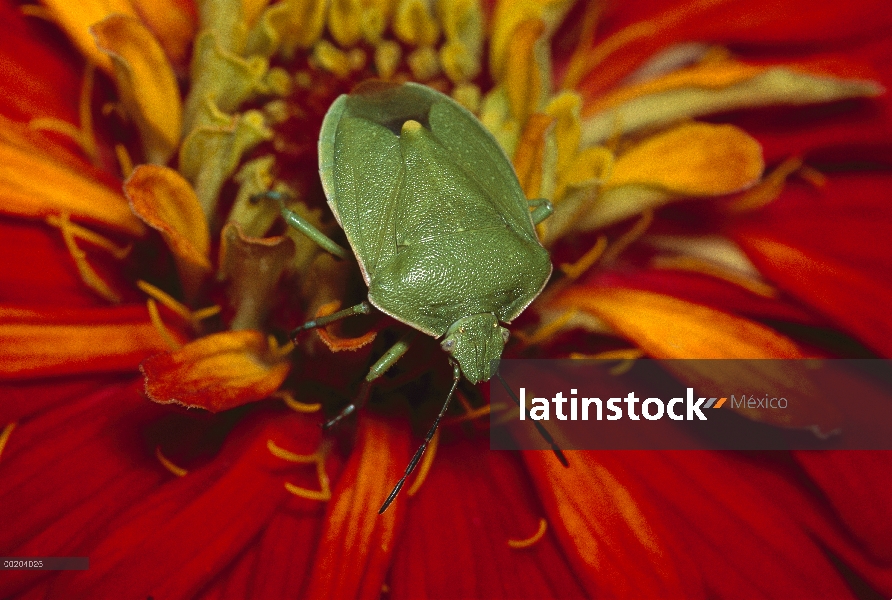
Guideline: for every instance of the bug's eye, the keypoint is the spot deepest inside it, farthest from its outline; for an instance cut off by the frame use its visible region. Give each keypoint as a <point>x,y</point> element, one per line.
<point>505,335</point>
<point>448,345</point>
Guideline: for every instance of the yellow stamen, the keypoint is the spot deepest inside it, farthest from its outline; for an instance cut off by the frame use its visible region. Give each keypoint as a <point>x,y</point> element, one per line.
<point>83,136</point>
<point>522,77</point>
<point>204,313</point>
<point>812,175</point>
<point>330,58</point>
<point>88,275</point>
<point>767,190</point>
<point>471,414</point>
<point>550,328</point>
<point>698,265</point>
<point>323,494</point>
<point>164,298</point>
<point>426,461</point>
<point>124,160</point>
<point>521,544</point>
<point>295,405</point>
<point>4,436</point>
<point>34,10</point>
<point>387,58</point>
<point>623,354</point>
<point>414,24</point>
<point>165,462</point>
<point>628,238</point>
<point>82,233</point>
<point>423,63</point>
<point>468,95</point>
<point>155,316</point>
<point>587,261</point>
<point>175,306</point>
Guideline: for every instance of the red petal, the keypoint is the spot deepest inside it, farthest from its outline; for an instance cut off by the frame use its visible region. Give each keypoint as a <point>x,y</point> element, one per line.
<point>831,248</point>
<point>471,503</point>
<point>356,548</point>
<point>743,518</point>
<point>68,472</point>
<point>178,539</point>
<point>818,23</point>
<point>38,79</point>
<point>612,536</point>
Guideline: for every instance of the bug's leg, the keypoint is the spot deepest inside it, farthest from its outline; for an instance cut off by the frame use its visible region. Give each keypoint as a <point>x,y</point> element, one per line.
<point>542,209</point>
<point>377,370</point>
<point>301,224</point>
<point>456,376</point>
<point>363,308</point>
<point>539,427</point>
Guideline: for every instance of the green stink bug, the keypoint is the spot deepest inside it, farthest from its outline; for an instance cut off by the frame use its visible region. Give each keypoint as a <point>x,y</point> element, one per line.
<point>436,218</point>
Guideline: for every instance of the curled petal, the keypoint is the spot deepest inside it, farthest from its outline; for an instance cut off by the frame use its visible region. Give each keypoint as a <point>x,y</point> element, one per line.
<point>165,201</point>
<point>216,372</point>
<point>146,83</point>
<point>173,22</point>
<point>76,18</point>
<point>253,267</point>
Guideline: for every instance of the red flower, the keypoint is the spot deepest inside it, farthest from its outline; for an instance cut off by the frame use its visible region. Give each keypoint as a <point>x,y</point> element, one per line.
<point>757,231</point>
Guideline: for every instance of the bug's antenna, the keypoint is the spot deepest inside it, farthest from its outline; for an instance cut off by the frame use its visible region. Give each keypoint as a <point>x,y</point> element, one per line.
<point>456,376</point>
<point>539,427</point>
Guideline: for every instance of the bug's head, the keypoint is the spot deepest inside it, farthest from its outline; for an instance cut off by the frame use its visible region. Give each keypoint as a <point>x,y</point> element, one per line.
<point>474,342</point>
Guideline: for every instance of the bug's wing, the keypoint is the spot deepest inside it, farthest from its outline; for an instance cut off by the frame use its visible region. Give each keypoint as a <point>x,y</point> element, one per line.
<point>367,174</point>
<point>475,149</point>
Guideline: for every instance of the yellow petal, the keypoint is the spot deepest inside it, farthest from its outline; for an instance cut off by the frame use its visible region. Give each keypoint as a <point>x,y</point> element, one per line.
<point>708,88</point>
<point>166,202</point>
<point>38,180</point>
<point>146,83</point>
<point>524,80</point>
<point>666,327</point>
<point>76,18</point>
<point>40,343</point>
<point>694,159</point>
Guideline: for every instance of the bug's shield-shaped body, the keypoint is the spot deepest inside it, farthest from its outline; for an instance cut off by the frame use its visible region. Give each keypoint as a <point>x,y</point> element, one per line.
<point>435,215</point>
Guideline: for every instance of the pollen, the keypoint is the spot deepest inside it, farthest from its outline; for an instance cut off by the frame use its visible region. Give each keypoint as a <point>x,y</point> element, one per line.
<point>323,494</point>
<point>82,134</point>
<point>70,233</point>
<point>295,405</point>
<point>4,436</point>
<point>167,464</point>
<point>158,323</point>
<point>530,541</point>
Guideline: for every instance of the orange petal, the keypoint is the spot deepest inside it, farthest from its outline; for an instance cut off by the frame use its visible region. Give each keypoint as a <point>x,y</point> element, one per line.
<point>38,180</point>
<point>354,553</point>
<point>53,342</point>
<point>694,159</point>
<point>76,18</point>
<point>166,202</point>
<point>174,24</point>
<point>217,372</point>
<point>146,83</point>
<point>666,327</point>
